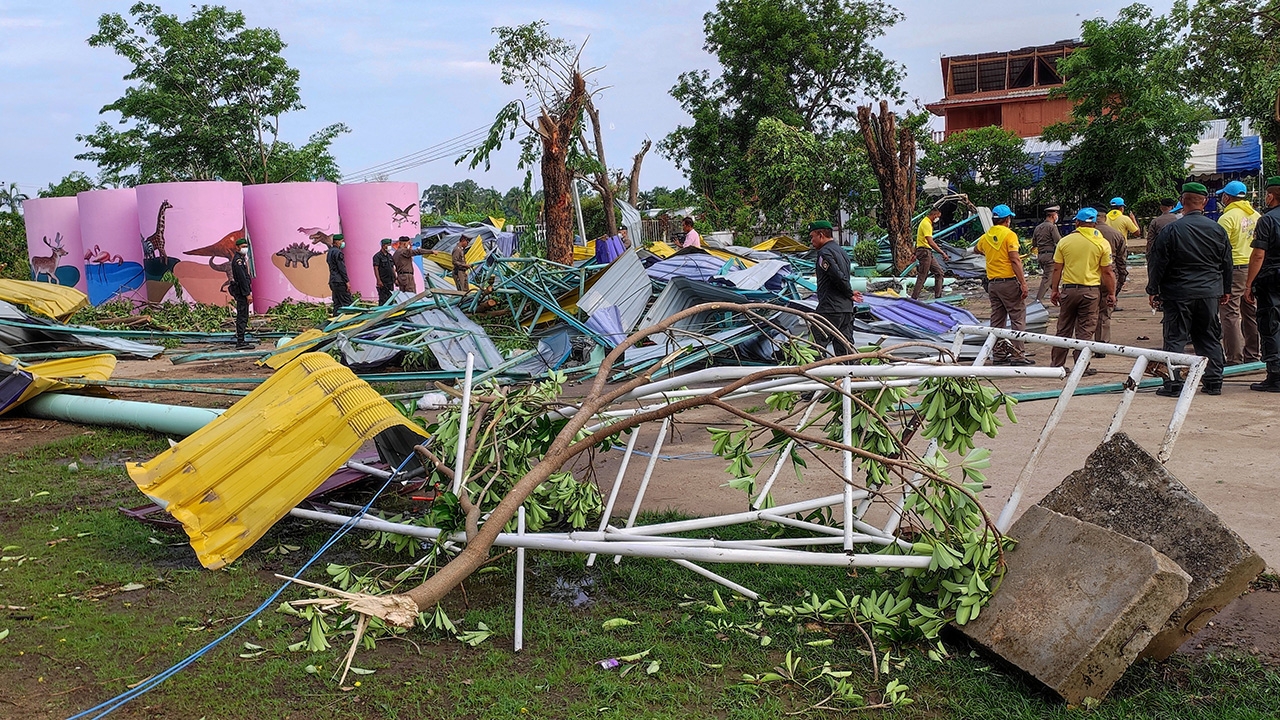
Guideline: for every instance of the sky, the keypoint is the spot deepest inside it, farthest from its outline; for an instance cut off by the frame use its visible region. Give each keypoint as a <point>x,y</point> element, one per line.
<point>408,75</point>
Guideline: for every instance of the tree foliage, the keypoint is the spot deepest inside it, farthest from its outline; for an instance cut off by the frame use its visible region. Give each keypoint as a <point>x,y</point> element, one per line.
<point>72,184</point>
<point>988,164</point>
<point>805,62</point>
<point>205,102</point>
<point>798,177</point>
<point>1132,122</point>
<point>1232,59</point>
<point>13,247</point>
<point>11,197</point>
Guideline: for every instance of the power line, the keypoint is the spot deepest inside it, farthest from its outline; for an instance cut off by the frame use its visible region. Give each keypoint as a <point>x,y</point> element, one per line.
<point>449,146</point>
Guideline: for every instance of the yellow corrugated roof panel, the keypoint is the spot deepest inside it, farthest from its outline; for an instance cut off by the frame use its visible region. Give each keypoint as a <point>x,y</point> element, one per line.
<point>55,301</point>
<point>58,375</point>
<point>661,249</point>
<point>782,243</point>
<point>233,479</point>
<point>584,252</point>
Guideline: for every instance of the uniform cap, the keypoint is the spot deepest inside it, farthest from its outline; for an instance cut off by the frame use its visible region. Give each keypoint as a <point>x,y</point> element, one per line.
<point>1235,188</point>
<point>820,225</point>
<point>1087,215</point>
<point>1052,208</point>
<point>338,237</point>
<point>386,242</point>
<point>1196,189</point>
<point>1117,202</point>
<point>1273,181</point>
<point>241,242</point>
<point>1001,212</point>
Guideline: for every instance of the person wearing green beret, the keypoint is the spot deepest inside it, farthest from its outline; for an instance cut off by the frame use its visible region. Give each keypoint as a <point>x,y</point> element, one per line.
<point>384,271</point>
<point>241,291</point>
<point>1188,277</point>
<point>836,296</point>
<point>339,283</point>
<point>1263,286</point>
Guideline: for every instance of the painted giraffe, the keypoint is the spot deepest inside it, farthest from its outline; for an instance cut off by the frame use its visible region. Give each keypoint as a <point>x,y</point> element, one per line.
<point>154,245</point>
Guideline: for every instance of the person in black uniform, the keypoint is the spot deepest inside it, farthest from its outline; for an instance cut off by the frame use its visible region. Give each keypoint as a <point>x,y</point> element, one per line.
<point>384,272</point>
<point>241,291</point>
<point>1263,286</point>
<point>1188,276</point>
<point>338,280</point>
<point>835,296</point>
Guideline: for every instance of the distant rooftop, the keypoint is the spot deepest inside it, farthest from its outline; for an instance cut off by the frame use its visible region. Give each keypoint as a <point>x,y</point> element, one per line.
<point>998,72</point>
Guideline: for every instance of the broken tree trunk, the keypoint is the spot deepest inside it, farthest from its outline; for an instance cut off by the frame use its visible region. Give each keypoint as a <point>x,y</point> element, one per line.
<point>892,153</point>
<point>557,134</point>
<point>633,185</point>
<point>601,182</point>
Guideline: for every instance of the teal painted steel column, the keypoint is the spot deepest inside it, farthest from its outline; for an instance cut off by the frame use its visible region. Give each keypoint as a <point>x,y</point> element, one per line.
<point>153,417</point>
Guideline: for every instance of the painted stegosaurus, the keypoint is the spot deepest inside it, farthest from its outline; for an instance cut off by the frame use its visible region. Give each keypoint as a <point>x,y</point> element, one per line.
<point>296,254</point>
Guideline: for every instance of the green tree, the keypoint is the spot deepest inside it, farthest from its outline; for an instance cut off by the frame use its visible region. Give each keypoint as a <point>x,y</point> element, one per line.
<point>206,102</point>
<point>660,197</point>
<point>1233,59</point>
<point>70,185</point>
<point>13,247</point>
<point>1132,123</point>
<point>988,164</point>
<point>11,198</point>
<point>805,62</point>
<point>798,177</point>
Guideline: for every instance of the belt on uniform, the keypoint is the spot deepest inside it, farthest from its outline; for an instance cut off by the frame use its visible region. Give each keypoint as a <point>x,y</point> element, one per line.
<point>1001,279</point>
<point>1072,286</point>
<point>404,273</point>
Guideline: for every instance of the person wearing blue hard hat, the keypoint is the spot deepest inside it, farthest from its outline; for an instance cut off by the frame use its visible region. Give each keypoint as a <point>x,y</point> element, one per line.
<point>1082,278</point>
<point>1239,316</point>
<point>1169,208</point>
<point>1117,218</point>
<point>1006,284</point>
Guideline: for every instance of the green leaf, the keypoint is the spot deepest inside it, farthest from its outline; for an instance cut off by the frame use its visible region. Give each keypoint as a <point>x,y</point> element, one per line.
<point>616,623</point>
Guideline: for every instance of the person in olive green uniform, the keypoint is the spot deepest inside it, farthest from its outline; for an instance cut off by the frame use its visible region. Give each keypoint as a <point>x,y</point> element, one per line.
<point>1045,239</point>
<point>1263,286</point>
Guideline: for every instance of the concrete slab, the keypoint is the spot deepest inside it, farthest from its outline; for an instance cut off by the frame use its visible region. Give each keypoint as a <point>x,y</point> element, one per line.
<point>1124,488</point>
<point>1078,603</point>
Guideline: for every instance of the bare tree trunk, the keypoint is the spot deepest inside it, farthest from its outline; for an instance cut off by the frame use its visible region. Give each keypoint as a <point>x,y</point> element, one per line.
<point>633,187</point>
<point>892,153</point>
<point>558,133</point>
<point>602,184</point>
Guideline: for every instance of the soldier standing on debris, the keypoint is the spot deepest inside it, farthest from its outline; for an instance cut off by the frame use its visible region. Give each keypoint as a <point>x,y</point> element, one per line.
<point>1189,276</point>
<point>1262,286</point>
<point>403,261</point>
<point>1169,209</point>
<point>1006,284</point>
<point>338,280</point>
<point>1082,281</point>
<point>1045,237</point>
<point>1239,317</point>
<point>925,262</point>
<point>241,291</point>
<point>835,296</point>
<point>1120,267</point>
<point>460,266</point>
<point>384,271</point>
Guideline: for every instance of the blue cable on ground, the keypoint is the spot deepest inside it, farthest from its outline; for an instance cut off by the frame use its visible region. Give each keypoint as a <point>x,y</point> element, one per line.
<point>115,703</point>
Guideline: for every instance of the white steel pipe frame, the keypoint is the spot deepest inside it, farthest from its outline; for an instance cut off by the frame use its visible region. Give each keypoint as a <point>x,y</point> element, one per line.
<point>458,470</point>
<point>1170,358</point>
<point>659,550</point>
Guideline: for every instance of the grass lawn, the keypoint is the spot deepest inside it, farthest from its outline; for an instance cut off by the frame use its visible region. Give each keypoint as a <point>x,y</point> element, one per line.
<point>75,639</point>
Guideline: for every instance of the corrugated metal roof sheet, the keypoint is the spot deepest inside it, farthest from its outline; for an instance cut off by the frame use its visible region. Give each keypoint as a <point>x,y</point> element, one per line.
<point>625,285</point>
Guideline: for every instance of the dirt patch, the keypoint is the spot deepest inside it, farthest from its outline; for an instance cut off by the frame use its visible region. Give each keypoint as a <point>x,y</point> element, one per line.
<point>23,433</point>
<point>1248,626</point>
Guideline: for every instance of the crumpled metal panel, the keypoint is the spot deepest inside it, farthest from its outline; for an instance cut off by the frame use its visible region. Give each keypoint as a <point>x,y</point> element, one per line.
<point>230,481</point>
<point>24,382</point>
<point>55,301</point>
<point>624,285</point>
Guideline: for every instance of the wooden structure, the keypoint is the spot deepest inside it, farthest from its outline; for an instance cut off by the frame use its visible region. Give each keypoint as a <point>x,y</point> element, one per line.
<point>1007,89</point>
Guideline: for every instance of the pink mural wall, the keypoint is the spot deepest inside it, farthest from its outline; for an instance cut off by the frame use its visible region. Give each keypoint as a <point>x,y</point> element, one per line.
<point>291,226</point>
<point>370,212</point>
<point>53,241</point>
<point>190,229</point>
<point>112,245</point>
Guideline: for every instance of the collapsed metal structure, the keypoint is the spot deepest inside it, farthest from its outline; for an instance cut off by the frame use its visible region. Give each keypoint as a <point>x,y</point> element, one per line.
<point>856,535</point>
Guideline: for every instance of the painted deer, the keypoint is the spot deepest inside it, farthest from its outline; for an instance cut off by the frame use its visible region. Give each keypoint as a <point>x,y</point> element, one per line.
<point>49,265</point>
<point>154,246</point>
<point>98,256</point>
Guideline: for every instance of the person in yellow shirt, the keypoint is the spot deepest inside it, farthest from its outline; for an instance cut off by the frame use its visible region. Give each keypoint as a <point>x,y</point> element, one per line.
<point>1239,316</point>
<point>1082,275</point>
<point>1117,218</point>
<point>925,262</point>
<point>1006,284</point>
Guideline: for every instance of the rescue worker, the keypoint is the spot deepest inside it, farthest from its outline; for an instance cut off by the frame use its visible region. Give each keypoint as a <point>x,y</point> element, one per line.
<point>384,271</point>
<point>1239,318</point>
<point>1082,279</point>
<point>241,290</point>
<point>835,296</point>
<point>1188,276</point>
<point>1262,286</point>
<point>1045,238</point>
<point>1168,213</point>
<point>1006,284</point>
<point>403,261</point>
<point>460,266</point>
<point>1117,218</point>
<point>1120,268</point>
<point>338,281</point>
<point>925,262</point>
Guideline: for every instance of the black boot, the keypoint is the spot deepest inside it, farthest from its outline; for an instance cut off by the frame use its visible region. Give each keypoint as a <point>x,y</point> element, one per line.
<point>1271,384</point>
<point>1214,389</point>
<point>1170,389</point>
